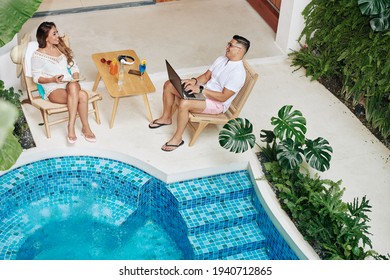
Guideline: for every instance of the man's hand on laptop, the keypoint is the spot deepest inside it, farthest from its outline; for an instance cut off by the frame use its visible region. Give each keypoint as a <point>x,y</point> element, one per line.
<point>189,87</point>
<point>188,82</point>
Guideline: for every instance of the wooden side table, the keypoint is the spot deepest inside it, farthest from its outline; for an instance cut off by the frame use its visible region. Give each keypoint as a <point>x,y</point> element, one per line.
<point>132,84</point>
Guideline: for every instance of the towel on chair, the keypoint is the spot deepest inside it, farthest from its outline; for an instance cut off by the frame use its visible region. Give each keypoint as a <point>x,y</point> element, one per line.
<point>31,48</point>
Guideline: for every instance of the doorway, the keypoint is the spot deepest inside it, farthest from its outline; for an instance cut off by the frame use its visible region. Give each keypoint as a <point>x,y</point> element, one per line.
<point>268,10</point>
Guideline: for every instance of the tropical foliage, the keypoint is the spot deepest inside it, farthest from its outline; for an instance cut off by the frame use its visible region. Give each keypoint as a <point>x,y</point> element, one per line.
<point>335,229</point>
<point>13,14</point>
<point>237,135</point>
<point>378,11</point>
<point>286,143</point>
<point>339,43</point>
<point>10,148</point>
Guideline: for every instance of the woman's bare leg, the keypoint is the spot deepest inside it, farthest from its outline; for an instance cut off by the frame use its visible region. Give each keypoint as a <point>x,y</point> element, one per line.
<point>77,101</point>
<point>62,96</point>
<point>73,101</point>
<point>83,113</point>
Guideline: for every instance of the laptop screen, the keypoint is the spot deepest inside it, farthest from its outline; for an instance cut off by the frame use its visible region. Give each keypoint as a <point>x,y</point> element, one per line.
<point>174,78</point>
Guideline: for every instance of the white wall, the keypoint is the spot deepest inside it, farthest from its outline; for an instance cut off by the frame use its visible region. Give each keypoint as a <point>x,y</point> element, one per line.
<point>291,24</point>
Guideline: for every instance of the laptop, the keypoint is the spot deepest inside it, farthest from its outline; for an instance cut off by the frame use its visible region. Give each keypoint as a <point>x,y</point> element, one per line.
<point>176,81</point>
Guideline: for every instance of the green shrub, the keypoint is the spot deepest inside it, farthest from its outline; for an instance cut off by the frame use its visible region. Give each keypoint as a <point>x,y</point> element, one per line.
<point>341,43</point>
<point>11,95</point>
<point>10,148</point>
<point>335,229</point>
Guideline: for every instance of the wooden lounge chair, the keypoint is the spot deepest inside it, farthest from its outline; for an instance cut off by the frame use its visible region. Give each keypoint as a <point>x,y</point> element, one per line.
<point>46,107</point>
<point>199,121</point>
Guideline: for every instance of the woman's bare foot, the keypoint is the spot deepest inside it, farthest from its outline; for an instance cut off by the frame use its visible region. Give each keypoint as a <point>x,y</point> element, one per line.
<point>72,138</point>
<point>88,134</point>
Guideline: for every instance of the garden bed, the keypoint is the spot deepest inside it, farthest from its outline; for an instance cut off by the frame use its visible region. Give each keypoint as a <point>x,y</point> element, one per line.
<point>23,133</point>
<point>334,85</point>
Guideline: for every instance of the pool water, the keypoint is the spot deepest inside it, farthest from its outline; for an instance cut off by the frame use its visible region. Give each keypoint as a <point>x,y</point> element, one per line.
<point>83,207</point>
<point>82,238</point>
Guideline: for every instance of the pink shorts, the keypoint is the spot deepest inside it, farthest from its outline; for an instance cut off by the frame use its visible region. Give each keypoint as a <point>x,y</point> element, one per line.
<point>213,107</point>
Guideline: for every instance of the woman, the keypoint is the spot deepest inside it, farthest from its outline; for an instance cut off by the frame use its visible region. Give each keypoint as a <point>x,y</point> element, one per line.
<point>52,65</point>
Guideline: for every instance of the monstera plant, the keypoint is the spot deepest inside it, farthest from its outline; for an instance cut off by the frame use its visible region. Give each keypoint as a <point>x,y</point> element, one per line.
<point>13,14</point>
<point>378,11</point>
<point>286,143</point>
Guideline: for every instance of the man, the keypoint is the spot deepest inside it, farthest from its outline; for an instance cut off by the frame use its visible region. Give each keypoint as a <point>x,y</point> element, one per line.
<point>219,84</point>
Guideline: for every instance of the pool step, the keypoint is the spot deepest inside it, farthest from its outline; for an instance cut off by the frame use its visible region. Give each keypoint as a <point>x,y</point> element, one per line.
<point>219,215</point>
<point>114,212</point>
<point>226,242</point>
<point>209,190</point>
<point>259,254</point>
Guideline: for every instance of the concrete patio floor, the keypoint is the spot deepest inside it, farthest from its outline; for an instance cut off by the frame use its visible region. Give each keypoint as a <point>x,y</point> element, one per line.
<point>174,31</point>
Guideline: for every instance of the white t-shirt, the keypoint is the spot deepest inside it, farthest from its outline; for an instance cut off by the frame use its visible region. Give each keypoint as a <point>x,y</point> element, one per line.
<point>226,74</point>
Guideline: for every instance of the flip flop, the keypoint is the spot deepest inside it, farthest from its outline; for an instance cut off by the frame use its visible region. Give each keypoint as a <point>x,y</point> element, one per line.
<point>89,139</point>
<point>172,145</point>
<point>71,141</point>
<point>157,124</point>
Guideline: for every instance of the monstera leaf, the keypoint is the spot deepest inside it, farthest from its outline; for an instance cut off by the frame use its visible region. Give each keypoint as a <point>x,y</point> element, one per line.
<point>373,7</point>
<point>13,14</point>
<point>286,143</point>
<point>289,154</point>
<point>318,153</point>
<point>267,136</point>
<point>378,11</point>
<point>237,135</point>
<point>381,23</point>
<point>289,124</point>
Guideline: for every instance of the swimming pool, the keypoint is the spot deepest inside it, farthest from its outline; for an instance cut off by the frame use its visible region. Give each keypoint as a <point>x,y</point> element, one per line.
<point>214,217</point>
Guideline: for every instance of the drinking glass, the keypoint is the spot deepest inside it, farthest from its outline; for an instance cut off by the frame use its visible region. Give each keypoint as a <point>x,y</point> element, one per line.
<point>142,68</point>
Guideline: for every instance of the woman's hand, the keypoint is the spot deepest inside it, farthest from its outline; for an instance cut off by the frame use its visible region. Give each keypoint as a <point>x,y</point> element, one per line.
<point>58,78</point>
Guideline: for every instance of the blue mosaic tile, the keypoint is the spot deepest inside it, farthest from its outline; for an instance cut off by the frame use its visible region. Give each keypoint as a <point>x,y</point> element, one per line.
<point>259,254</point>
<point>278,247</point>
<point>220,215</point>
<point>212,189</point>
<point>228,241</point>
<point>209,218</point>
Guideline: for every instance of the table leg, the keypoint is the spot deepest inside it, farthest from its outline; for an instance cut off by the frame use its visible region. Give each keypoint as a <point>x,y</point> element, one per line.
<point>146,101</point>
<point>116,101</point>
<point>97,80</point>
